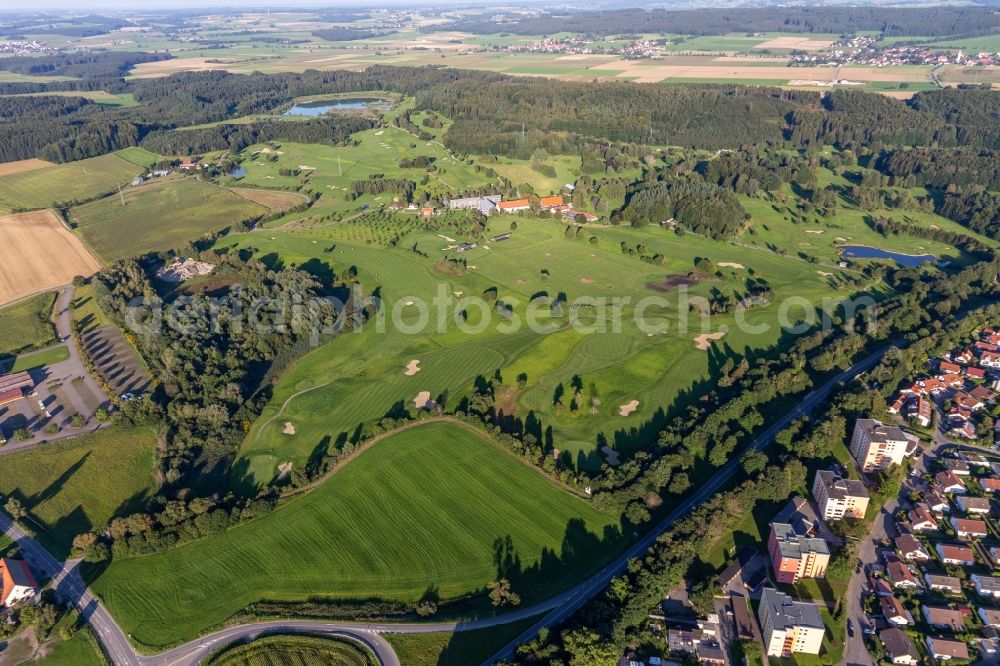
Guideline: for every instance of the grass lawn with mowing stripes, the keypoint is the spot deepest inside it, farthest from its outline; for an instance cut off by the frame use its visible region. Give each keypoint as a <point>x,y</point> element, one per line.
<point>419,510</point>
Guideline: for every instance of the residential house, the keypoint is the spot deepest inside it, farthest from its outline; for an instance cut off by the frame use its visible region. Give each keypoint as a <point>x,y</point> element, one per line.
<point>944,649</point>
<point>551,202</point>
<point>965,357</point>
<point>990,484</point>
<point>957,467</point>
<point>945,584</point>
<point>894,612</point>
<point>901,576</point>
<point>966,431</point>
<point>789,626</point>
<point>427,211</point>
<point>976,505</point>
<point>974,459</point>
<point>974,373</point>
<point>949,368</point>
<point>921,519</point>
<point>943,618</point>
<point>986,586</point>
<point>18,582</point>
<point>794,556</point>
<point>936,501</point>
<point>910,548</point>
<point>990,617</point>
<point>921,411</point>
<point>950,483</point>
<point>990,360</point>
<point>839,498</point>
<point>900,647</point>
<point>877,446</point>
<point>982,394</point>
<point>958,555</point>
<point>966,401</point>
<point>969,529</point>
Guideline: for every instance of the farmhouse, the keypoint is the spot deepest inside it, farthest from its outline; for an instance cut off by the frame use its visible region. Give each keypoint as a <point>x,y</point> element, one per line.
<point>552,202</point>
<point>12,386</point>
<point>513,206</point>
<point>485,205</point>
<point>961,555</point>
<point>839,498</point>
<point>18,583</point>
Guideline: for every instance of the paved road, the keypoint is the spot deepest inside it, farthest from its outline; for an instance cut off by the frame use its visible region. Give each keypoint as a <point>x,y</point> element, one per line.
<point>572,600</point>
<point>62,372</point>
<point>69,586</point>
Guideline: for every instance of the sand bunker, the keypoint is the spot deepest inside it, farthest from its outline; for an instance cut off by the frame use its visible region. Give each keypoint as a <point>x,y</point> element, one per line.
<point>587,280</point>
<point>289,428</point>
<point>628,408</point>
<point>824,273</point>
<point>449,240</point>
<point>840,239</point>
<point>284,469</point>
<point>380,133</point>
<point>307,168</point>
<point>611,455</point>
<point>520,282</point>
<point>730,264</point>
<point>423,400</point>
<point>408,303</point>
<point>814,231</point>
<point>412,368</point>
<point>704,341</point>
<point>458,294</point>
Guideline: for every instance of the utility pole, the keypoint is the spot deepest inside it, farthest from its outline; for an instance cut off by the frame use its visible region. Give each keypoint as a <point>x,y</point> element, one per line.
<point>120,195</point>
<point>340,169</point>
<point>522,132</point>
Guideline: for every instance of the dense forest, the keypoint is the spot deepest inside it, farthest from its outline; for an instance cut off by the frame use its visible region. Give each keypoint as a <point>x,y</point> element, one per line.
<point>896,21</point>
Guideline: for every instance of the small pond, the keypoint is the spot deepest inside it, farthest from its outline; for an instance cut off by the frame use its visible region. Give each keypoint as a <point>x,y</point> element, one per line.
<point>320,107</point>
<point>865,252</point>
<point>238,172</point>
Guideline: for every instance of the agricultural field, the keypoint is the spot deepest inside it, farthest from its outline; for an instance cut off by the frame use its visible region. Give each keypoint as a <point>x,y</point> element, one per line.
<point>72,182</point>
<point>275,200</point>
<point>27,324</point>
<point>67,488</point>
<point>8,168</point>
<point>159,215</point>
<point>299,650</point>
<point>439,485</point>
<point>38,253</point>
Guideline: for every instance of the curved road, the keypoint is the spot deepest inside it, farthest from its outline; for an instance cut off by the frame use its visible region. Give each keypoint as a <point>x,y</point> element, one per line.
<point>69,586</point>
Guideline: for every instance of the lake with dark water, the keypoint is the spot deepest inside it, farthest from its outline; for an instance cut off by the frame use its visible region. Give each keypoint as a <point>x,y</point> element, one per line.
<point>865,252</point>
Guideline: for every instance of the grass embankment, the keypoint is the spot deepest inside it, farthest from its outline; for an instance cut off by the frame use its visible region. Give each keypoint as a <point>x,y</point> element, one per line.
<point>298,650</point>
<point>458,648</point>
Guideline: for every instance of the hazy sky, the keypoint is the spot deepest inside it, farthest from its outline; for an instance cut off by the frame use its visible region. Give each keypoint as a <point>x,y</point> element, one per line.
<point>21,6</point>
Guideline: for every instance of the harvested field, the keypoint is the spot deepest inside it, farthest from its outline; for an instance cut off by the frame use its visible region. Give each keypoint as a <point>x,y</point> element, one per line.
<point>149,70</point>
<point>704,341</point>
<point>38,253</point>
<point>275,200</point>
<point>797,43</point>
<point>8,168</point>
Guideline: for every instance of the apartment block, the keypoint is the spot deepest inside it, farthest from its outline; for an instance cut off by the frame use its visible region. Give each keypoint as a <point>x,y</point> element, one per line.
<point>877,446</point>
<point>789,626</point>
<point>794,556</point>
<point>839,498</point>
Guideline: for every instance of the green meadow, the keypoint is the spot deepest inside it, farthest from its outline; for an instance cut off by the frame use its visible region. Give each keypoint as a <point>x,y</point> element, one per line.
<point>74,181</point>
<point>159,215</point>
<point>67,486</point>
<point>26,324</point>
<point>418,511</point>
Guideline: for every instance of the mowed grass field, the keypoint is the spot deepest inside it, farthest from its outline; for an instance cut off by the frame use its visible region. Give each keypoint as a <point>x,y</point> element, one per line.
<point>160,215</point>
<point>419,510</point>
<point>74,181</point>
<point>340,388</point>
<point>26,324</point>
<point>73,486</point>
